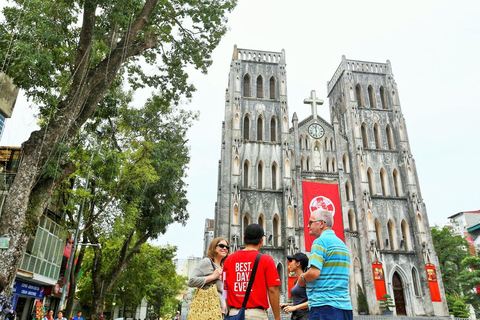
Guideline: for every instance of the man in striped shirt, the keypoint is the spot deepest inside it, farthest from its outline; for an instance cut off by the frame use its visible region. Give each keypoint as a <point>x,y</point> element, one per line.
<point>328,273</point>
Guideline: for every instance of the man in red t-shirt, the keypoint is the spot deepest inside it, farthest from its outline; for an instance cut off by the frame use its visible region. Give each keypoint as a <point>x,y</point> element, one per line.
<point>236,273</point>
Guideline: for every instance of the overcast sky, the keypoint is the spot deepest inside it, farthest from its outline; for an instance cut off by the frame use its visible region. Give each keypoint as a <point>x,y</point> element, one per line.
<point>434,49</point>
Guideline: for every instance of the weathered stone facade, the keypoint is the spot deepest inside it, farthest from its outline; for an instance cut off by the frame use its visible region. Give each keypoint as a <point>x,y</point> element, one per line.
<point>364,149</point>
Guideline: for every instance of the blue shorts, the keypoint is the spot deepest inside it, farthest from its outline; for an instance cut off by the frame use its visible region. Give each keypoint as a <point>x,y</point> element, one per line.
<point>330,313</point>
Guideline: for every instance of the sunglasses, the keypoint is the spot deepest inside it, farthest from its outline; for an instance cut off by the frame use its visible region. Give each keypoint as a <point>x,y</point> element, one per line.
<point>222,246</point>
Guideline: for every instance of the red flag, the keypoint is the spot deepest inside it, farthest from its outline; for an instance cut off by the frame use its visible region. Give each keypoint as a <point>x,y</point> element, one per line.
<point>321,195</point>
<point>432,282</point>
<point>379,279</point>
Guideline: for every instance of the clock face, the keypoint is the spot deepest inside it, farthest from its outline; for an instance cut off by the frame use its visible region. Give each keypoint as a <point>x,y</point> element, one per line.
<point>316,130</point>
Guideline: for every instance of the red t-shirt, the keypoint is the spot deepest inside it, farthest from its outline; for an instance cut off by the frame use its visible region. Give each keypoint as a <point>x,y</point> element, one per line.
<point>236,273</point>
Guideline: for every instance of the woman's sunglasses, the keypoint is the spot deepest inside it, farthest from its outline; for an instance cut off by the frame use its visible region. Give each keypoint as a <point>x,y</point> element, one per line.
<point>222,246</point>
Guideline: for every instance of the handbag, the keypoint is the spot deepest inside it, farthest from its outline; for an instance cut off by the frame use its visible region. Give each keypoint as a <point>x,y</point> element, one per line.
<point>241,313</point>
<point>206,303</point>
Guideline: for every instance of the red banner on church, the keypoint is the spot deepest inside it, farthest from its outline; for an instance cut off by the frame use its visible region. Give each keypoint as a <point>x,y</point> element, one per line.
<point>379,279</point>
<point>321,195</point>
<point>432,282</point>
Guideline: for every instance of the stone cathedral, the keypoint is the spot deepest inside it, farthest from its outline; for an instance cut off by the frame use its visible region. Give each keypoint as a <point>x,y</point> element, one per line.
<point>275,171</point>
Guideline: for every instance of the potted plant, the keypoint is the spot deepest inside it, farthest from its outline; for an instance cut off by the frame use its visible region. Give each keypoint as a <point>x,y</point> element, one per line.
<point>387,304</point>
<point>362,304</point>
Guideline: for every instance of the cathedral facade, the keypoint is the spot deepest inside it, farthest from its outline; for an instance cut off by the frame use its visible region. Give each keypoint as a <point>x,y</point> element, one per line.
<point>269,162</point>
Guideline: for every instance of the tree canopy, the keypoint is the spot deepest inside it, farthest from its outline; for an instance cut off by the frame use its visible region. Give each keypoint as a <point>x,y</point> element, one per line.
<point>74,56</point>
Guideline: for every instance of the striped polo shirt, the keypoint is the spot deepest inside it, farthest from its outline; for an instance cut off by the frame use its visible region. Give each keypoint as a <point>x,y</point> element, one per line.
<point>330,255</point>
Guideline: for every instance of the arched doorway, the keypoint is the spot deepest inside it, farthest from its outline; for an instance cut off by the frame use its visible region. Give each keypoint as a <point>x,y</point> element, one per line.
<point>398,295</point>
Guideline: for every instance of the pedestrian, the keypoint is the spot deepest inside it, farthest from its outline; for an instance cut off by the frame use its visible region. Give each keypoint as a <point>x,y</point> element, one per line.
<point>60,316</point>
<point>79,316</point>
<point>177,316</point>
<point>49,315</point>
<point>329,271</point>
<point>237,270</point>
<point>208,302</point>
<point>299,306</point>
<point>6,309</point>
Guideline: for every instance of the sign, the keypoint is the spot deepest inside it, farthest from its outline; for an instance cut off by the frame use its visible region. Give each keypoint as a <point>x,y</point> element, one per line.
<point>4,243</point>
<point>432,282</point>
<point>379,279</point>
<point>27,289</point>
<point>321,196</point>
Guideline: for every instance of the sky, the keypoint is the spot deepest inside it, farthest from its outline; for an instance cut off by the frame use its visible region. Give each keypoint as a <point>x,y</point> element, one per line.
<point>433,47</point>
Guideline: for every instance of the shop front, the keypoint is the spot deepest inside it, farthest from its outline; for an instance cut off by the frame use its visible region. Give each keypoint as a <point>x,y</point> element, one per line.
<point>23,298</point>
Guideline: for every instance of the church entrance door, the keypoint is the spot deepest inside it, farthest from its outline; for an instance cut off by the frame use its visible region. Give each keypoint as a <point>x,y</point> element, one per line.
<point>398,295</point>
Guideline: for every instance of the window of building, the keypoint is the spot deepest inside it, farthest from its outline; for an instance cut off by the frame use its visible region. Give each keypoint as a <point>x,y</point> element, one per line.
<point>245,174</point>
<point>260,176</point>
<point>378,139</point>
<point>246,86</point>
<point>259,87</point>
<point>259,129</point>
<point>246,127</point>
<point>274,176</point>
<point>364,135</point>
<point>383,97</point>
<point>390,137</point>
<point>272,88</point>
<point>371,181</point>
<point>359,94</point>
<point>371,97</point>
<point>273,129</point>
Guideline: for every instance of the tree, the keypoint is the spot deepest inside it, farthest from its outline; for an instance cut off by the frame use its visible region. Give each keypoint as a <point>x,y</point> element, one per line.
<point>136,190</point>
<point>460,310</point>
<point>450,250</point>
<point>362,303</point>
<point>67,56</point>
<point>469,279</point>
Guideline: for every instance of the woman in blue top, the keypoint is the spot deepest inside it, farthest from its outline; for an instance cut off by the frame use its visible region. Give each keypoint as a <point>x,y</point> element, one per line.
<point>299,307</point>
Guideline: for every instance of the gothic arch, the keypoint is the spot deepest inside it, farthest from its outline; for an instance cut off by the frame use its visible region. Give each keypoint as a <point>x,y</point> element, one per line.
<point>273,90</point>
<point>397,183</point>
<point>370,223</point>
<point>364,135</point>
<point>363,173</point>
<point>346,164</point>
<point>332,145</point>
<point>334,165</point>
<point>351,220</point>
<point>300,141</point>
<point>246,180</point>
<point>402,133</point>
<point>371,181</point>
<point>261,220</point>
<point>235,214</point>
<point>359,95</point>
<point>389,132</point>
<point>371,97</point>
<point>411,179</point>
<point>378,138</point>
<point>246,127</point>
<point>274,176</point>
<point>348,191</point>
<point>378,234</point>
<point>328,164</point>
<point>260,175</point>
<point>282,276</point>
<point>236,165</point>
<point>326,144</point>
<point>245,223</point>
<point>246,85</point>
<point>287,168</point>
<point>392,236</point>
<point>260,128</point>
<point>357,130</point>
<point>302,165</point>
<point>420,223</point>
<point>399,283</point>
<point>384,182</point>
<point>289,217</point>
<point>285,124</point>
<point>276,231</point>
<point>273,129</point>
<point>406,235</point>
<point>416,282</point>
<point>307,143</point>
<point>309,168</point>
<point>236,123</point>
<point>383,98</point>
<point>260,87</point>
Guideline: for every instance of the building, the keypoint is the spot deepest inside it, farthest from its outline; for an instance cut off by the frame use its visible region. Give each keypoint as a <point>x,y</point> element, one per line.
<point>274,171</point>
<point>208,237</point>
<point>462,221</point>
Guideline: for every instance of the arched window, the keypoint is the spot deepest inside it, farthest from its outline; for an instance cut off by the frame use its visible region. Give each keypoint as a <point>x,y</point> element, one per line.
<point>396,182</point>
<point>274,176</point>
<point>259,129</point>
<point>346,164</point>
<point>358,91</point>
<point>348,191</point>
<point>300,141</point>
<point>384,181</point>
<point>276,233</point>
<point>246,222</point>
<point>272,88</point>
<point>308,164</point>
<point>390,137</point>
<point>334,165</point>
<point>332,145</point>
<point>383,97</point>
<point>416,282</point>
<point>378,139</point>
<point>273,129</point>
<point>371,97</point>
<point>260,176</point>
<point>307,143</point>
<point>245,174</point>
<point>391,235</point>
<point>364,135</point>
<point>326,144</point>
<point>351,220</point>
<point>246,127</point>
<point>235,214</point>
<point>301,163</point>
<point>411,179</point>
<point>328,164</point>
<point>259,87</point>
<point>246,86</point>
<point>261,221</point>
<point>378,233</point>
<point>405,236</point>
<point>371,181</point>
<point>420,223</point>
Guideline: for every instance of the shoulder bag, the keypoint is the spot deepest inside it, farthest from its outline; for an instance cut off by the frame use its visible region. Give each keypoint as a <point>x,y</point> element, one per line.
<point>241,313</point>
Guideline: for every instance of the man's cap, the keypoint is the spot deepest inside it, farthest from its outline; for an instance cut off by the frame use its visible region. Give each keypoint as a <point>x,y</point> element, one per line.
<point>300,257</point>
<point>178,311</point>
<point>254,231</point>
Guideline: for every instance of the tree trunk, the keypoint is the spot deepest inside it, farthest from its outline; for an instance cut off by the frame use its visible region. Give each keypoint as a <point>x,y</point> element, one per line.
<point>22,210</point>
